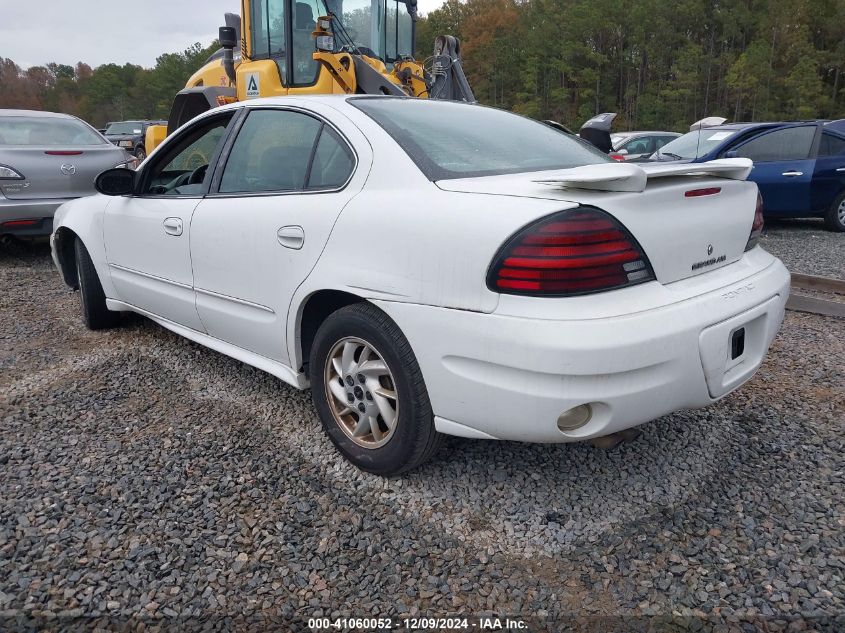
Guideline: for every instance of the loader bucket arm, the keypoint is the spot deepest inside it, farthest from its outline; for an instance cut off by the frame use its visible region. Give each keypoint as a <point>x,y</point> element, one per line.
<point>450,82</point>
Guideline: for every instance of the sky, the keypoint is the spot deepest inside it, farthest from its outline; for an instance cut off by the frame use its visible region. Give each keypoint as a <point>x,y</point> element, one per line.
<point>36,32</point>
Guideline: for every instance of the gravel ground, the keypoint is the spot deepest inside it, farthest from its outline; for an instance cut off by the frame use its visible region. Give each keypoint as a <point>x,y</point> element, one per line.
<point>805,246</point>
<point>143,476</point>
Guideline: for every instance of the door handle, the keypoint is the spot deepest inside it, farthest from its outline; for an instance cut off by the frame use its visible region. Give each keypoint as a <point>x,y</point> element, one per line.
<point>173,226</point>
<point>292,237</point>
<point>792,174</point>
<point>841,169</point>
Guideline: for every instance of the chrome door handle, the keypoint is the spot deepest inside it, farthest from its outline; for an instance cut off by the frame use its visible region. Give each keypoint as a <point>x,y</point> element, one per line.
<point>173,226</point>
<point>292,237</point>
<point>841,169</point>
<point>792,174</point>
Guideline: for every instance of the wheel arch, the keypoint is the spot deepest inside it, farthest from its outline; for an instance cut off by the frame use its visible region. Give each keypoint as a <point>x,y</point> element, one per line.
<point>312,313</point>
<point>64,240</point>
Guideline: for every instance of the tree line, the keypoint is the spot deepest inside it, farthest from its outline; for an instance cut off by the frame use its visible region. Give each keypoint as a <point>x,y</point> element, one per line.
<point>110,92</point>
<point>659,64</point>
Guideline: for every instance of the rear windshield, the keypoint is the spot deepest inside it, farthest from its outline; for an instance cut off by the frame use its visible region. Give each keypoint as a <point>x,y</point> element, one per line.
<point>457,140</point>
<point>126,127</point>
<point>697,143</point>
<point>46,132</point>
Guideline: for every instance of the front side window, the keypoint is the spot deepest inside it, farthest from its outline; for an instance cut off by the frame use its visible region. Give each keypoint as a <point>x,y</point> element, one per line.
<point>641,145</point>
<point>267,32</point>
<point>458,140</point>
<point>183,169</point>
<point>792,143</point>
<point>47,132</point>
<point>379,28</point>
<point>305,69</point>
<point>273,152</point>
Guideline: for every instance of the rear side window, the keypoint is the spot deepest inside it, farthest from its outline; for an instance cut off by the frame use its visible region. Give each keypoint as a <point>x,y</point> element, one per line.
<point>831,145</point>
<point>333,162</point>
<point>282,150</point>
<point>792,143</point>
<point>46,132</point>
<point>457,140</point>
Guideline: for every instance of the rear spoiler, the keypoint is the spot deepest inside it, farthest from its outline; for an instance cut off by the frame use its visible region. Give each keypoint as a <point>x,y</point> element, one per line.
<point>634,178</point>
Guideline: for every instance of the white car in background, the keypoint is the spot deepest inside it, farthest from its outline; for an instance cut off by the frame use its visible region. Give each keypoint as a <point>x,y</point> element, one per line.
<point>435,268</point>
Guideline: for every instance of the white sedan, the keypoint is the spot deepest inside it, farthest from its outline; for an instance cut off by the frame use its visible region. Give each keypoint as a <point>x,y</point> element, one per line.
<point>435,268</point>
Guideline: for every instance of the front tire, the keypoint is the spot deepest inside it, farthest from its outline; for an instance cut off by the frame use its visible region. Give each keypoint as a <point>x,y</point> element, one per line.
<point>140,153</point>
<point>369,392</point>
<point>91,296</point>
<point>835,218</point>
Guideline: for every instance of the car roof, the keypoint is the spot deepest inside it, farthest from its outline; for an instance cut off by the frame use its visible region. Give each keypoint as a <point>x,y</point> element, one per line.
<point>39,114</point>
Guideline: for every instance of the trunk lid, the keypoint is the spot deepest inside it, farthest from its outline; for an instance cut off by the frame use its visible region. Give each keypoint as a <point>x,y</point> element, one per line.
<point>682,236</point>
<point>56,172</point>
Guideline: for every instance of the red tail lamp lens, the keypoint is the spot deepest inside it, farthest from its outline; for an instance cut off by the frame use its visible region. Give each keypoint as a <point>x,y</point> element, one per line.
<point>574,252</point>
<point>757,227</point>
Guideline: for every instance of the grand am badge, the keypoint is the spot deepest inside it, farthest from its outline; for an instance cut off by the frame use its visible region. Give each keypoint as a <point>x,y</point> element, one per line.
<point>707,263</point>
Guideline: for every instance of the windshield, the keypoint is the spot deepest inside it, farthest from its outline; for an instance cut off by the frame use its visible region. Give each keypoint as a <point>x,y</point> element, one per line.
<point>695,144</point>
<point>457,140</point>
<point>125,127</point>
<point>380,28</point>
<point>46,132</point>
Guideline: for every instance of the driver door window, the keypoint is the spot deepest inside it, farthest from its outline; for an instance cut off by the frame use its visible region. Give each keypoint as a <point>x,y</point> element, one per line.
<point>183,170</point>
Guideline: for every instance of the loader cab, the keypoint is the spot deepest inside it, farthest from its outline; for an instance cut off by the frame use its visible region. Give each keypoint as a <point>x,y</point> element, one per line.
<point>282,31</point>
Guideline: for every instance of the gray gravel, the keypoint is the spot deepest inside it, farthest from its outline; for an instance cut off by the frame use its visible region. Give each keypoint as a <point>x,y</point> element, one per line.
<point>144,476</point>
<point>806,246</point>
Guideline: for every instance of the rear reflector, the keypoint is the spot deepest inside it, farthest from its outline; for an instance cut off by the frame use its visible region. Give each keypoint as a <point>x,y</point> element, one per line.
<point>62,153</point>
<point>17,224</point>
<point>574,252</point>
<point>698,193</point>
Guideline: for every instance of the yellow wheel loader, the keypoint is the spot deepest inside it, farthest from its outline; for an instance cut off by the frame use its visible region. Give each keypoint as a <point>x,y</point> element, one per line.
<point>304,47</point>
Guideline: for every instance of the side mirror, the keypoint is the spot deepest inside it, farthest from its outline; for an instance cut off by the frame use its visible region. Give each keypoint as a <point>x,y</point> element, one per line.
<point>116,182</point>
<point>228,37</point>
<point>732,153</point>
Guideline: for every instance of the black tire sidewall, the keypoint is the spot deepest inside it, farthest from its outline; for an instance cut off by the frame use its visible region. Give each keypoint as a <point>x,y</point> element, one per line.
<point>832,219</point>
<point>414,407</point>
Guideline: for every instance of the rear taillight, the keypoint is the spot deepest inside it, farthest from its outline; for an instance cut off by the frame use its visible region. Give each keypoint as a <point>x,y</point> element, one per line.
<point>574,252</point>
<point>757,227</point>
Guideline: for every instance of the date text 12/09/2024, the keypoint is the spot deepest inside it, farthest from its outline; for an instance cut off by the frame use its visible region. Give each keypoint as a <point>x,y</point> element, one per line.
<point>417,624</point>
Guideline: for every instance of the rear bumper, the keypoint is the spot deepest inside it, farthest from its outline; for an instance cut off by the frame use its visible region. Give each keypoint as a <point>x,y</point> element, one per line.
<point>503,377</point>
<point>16,215</point>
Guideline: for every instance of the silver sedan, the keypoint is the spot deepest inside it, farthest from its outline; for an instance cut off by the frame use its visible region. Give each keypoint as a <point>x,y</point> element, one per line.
<point>47,159</point>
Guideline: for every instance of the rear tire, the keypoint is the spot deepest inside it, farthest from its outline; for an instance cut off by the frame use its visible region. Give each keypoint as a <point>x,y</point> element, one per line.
<point>835,218</point>
<point>91,296</point>
<point>389,381</point>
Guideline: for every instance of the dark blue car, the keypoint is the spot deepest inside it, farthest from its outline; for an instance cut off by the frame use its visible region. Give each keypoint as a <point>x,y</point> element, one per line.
<point>799,166</point>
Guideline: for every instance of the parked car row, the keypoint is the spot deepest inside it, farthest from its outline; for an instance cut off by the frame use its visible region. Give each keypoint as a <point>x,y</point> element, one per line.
<point>799,166</point>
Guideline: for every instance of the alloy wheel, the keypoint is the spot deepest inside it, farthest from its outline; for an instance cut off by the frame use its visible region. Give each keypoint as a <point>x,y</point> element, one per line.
<point>361,393</point>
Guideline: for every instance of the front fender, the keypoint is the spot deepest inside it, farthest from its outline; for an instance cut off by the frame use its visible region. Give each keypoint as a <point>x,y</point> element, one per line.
<point>82,219</point>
